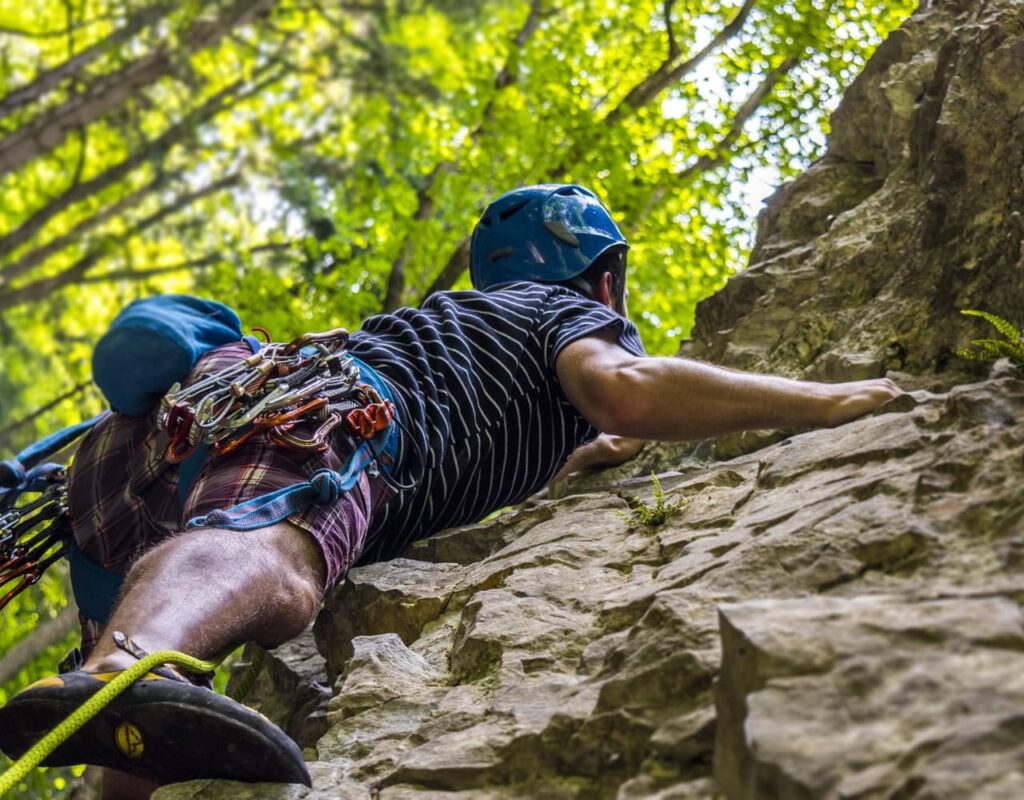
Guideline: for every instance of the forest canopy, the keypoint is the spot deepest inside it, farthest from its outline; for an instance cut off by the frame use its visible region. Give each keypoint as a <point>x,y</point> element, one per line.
<point>313,162</point>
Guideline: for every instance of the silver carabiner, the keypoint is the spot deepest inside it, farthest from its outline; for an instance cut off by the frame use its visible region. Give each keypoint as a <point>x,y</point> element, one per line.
<point>248,415</point>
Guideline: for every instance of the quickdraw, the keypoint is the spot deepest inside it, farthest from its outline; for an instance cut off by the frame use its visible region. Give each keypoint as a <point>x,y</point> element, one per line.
<point>33,535</point>
<point>309,379</point>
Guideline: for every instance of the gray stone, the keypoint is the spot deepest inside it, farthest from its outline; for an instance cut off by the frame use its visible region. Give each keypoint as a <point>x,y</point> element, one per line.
<point>400,596</point>
<point>291,688</point>
<point>860,697</point>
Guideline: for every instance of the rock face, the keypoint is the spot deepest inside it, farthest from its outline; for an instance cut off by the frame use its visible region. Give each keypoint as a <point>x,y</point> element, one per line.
<point>862,263</point>
<point>833,613</point>
<point>872,696</point>
<point>291,688</point>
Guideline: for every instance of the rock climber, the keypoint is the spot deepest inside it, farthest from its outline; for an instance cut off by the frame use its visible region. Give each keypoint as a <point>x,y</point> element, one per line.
<point>494,388</point>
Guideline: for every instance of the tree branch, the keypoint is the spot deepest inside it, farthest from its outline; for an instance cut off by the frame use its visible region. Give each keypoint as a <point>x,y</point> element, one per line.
<point>673,45</point>
<point>727,144</point>
<point>75,273</point>
<point>670,73</point>
<point>47,131</point>
<point>209,260</point>
<point>425,197</point>
<point>34,258</point>
<point>152,151</point>
<point>458,262</point>
<point>6,432</point>
<point>666,74</point>
<point>52,631</point>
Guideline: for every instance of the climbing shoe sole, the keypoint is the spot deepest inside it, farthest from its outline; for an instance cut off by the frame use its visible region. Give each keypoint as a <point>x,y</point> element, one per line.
<point>164,730</point>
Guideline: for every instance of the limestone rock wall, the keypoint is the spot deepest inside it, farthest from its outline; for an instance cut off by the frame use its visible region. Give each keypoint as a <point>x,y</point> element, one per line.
<point>833,613</point>
<point>862,262</point>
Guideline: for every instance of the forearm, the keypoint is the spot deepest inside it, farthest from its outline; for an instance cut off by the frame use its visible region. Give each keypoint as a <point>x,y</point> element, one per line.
<point>678,399</point>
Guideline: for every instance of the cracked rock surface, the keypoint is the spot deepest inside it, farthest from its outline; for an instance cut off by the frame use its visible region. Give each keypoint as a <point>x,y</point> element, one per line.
<point>831,613</point>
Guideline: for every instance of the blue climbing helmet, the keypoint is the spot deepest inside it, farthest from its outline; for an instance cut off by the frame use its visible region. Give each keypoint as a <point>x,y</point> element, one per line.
<point>547,233</point>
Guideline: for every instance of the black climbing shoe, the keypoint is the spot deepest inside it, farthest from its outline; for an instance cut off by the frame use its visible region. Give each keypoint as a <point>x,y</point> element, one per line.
<point>161,729</point>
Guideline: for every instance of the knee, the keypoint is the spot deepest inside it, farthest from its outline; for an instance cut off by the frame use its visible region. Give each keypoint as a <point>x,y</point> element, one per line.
<point>294,600</point>
<point>300,588</point>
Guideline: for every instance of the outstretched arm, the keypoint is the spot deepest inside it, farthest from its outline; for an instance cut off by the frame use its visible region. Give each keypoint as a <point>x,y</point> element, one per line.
<point>675,399</point>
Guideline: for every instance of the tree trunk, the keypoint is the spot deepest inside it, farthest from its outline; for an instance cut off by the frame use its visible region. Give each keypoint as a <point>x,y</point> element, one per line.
<point>48,634</point>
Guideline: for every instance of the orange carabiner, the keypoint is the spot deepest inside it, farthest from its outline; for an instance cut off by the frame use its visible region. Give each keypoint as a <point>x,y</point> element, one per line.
<point>30,575</point>
<point>273,421</point>
<point>316,442</point>
<point>221,449</point>
<point>178,449</point>
<point>369,421</point>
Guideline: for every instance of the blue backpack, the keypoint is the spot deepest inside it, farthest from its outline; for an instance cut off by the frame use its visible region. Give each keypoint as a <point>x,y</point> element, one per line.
<point>154,343</point>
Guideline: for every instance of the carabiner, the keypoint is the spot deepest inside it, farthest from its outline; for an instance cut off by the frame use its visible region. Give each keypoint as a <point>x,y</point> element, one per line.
<point>316,442</point>
<point>369,421</point>
<point>299,342</point>
<point>30,575</point>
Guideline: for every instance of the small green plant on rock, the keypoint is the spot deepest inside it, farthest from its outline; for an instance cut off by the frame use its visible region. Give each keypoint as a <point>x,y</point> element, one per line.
<point>1011,346</point>
<point>652,515</point>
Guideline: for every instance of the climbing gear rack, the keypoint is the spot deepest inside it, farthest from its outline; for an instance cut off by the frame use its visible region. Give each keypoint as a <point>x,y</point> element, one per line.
<point>32,537</point>
<point>309,379</point>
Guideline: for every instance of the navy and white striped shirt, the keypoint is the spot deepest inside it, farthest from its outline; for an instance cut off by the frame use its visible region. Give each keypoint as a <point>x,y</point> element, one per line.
<point>473,378</point>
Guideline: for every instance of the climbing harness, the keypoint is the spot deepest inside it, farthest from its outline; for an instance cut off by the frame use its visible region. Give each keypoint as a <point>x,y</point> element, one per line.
<point>308,380</point>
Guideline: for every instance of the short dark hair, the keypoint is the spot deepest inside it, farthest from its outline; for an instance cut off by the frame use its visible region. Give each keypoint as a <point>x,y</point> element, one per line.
<point>612,260</point>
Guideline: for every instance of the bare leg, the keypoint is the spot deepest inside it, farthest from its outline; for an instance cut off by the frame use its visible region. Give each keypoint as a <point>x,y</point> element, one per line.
<point>205,592</point>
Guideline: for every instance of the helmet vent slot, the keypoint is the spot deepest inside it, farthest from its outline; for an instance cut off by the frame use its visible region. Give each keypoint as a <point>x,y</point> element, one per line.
<point>497,255</point>
<point>504,214</point>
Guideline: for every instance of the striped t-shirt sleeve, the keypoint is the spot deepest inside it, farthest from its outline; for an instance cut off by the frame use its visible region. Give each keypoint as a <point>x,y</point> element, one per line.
<point>570,317</point>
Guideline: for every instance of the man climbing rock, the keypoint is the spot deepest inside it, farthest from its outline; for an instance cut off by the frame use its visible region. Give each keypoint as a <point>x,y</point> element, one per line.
<point>493,391</point>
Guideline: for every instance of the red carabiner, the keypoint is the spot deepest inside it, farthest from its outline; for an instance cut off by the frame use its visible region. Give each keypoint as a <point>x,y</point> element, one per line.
<point>179,422</point>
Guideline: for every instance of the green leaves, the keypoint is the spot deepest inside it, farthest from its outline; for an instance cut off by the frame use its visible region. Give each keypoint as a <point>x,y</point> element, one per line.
<point>1011,346</point>
<point>654,514</point>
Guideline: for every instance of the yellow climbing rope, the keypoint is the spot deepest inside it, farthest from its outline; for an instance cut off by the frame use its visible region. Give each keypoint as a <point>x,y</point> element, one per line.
<point>91,707</point>
<point>252,672</point>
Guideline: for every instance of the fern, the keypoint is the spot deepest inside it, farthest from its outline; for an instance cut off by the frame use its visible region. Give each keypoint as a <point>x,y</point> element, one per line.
<point>1000,324</point>
<point>652,515</point>
<point>1011,346</point>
